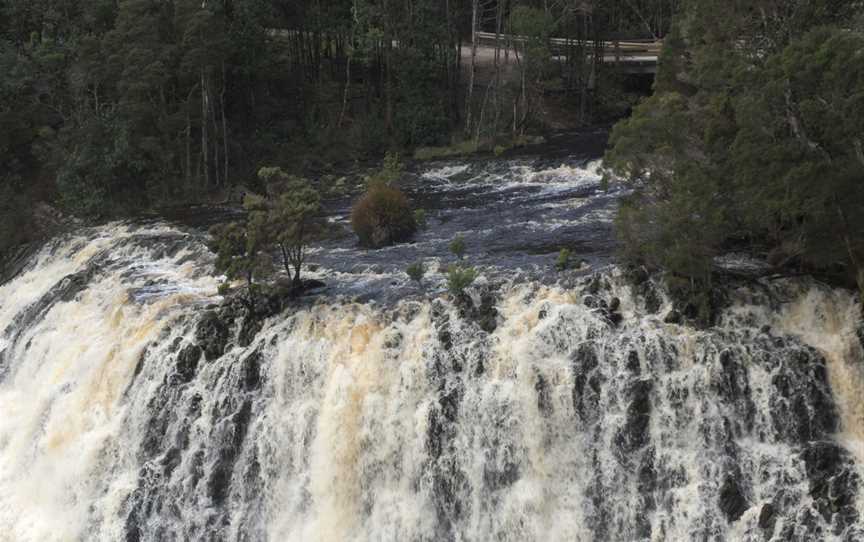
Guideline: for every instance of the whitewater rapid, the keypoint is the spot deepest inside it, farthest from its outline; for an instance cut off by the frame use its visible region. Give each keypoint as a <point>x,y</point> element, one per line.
<point>136,405</point>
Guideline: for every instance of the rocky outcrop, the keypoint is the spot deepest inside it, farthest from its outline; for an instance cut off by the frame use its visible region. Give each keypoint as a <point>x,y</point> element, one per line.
<point>212,334</point>
<point>732,501</point>
<point>833,483</point>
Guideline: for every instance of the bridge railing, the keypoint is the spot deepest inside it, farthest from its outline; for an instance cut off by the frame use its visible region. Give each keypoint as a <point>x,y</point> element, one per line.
<point>628,47</point>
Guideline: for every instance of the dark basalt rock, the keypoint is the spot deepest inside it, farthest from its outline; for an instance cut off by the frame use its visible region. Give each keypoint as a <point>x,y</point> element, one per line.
<point>653,301</point>
<point>733,385</point>
<point>219,483</point>
<point>593,302</point>
<point>486,315</point>
<point>802,408</point>
<point>598,283</point>
<point>833,483</point>
<point>673,317</point>
<point>640,279</point>
<point>632,363</point>
<point>634,435</point>
<point>187,362</point>
<point>647,483</point>
<point>584,365</point>
<point>249,329</point>
<point>732,501</point>
<point>544,402</point>
<point>767,518</point>
<point>251,371</point>
<point>212,334</point>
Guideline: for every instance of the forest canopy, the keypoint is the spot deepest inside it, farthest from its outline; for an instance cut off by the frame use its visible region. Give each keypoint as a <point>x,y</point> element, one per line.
<point>752,141</point>
<point>108,107</point>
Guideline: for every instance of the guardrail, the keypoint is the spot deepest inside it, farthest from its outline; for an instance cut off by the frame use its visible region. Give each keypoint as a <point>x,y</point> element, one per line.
<point>628,47</point>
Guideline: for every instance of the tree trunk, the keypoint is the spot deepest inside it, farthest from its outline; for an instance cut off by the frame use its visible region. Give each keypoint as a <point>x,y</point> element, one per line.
<point>205,139</point>
<point>224,124</point>
<point>475,7</point>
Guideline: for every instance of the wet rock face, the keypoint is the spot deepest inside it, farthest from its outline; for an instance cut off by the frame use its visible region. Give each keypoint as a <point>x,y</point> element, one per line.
<point>587,381</point>
<point>634,435</point>
<point>187,362</point>
<point>767,518</point>
<point>212,334</point>
<point>517,417</point>
<point>834,483</point>
<point>802,407</point>
<point>732,503</point>
<point>485,314</point>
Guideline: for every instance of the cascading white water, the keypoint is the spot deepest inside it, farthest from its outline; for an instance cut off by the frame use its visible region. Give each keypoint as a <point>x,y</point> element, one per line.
<point>135,406</point>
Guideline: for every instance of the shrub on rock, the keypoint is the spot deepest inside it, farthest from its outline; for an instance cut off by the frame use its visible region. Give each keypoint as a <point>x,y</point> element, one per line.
<point>459,278</point>
<point>382,217</point>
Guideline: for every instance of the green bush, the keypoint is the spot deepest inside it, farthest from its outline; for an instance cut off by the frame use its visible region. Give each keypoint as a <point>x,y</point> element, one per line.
<point>457,246</point>
<point>563,261</point>
<point>420,218</point>
<point>390,171</point>
<point>416,271</point>
<point>459,278</point>
<point>383,216</point>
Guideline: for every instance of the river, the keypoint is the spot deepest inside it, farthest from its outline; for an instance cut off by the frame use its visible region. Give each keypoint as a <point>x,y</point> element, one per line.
<point>136,404</point>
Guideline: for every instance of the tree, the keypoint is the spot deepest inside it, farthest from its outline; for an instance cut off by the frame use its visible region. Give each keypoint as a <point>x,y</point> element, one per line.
<point>752,140</point>
<point>459,278</point>
<point>416,271</point>
<point>293,218</point>
<point>241,252</point>
<point>457,246</point>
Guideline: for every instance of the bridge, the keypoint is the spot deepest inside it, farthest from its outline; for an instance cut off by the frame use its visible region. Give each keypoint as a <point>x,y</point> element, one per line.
<point>632,56</point>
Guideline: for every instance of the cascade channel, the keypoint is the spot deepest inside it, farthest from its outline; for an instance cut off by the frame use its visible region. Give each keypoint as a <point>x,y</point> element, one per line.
<point>136,404</point>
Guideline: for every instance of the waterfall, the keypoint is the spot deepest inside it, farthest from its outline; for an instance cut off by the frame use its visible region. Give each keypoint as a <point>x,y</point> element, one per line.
<point>136,404</point>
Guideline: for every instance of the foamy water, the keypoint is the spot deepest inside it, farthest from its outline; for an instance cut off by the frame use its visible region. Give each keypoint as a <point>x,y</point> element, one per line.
<point>407,421</point>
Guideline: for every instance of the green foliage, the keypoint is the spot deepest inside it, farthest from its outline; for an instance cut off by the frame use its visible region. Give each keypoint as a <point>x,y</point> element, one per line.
<point>537,24</point>
<point>420,219</point>
<point>287,221</point>
<point>95,161</point>
<point>562,263</point>
<point>383,216</point>
<point>459,278</point>
<point>16,222</point>
<point>416,271</point>
<point>390,171</point>
<point>240,251</point>
<point>224,288</point>
<point>457,246</point>
<point>290,219</point>
<point>748,142</point>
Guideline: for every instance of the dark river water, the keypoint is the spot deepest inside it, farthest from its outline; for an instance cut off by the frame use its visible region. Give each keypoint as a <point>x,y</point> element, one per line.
<point>137,404</point>
<point>514,213</point>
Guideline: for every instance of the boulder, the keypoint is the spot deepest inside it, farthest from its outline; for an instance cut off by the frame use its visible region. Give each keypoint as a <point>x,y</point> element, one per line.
<point>732,502</point>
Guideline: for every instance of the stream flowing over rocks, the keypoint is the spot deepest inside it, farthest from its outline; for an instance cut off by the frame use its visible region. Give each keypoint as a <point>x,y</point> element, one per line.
<point>137,404</point>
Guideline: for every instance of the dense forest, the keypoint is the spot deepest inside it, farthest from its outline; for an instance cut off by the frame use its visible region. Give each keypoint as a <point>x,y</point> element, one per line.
<point>752,142</point>
<point>108,107</point>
